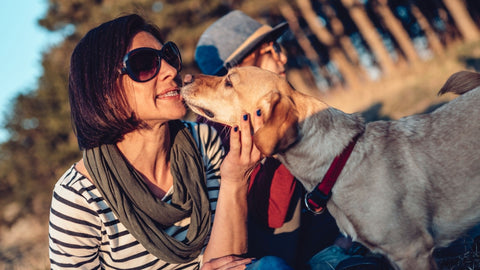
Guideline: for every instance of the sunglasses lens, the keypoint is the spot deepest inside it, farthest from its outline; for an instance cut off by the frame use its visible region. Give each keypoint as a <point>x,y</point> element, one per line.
<point>277,48</point>
<point>143,64</point>
<point>171,54</point>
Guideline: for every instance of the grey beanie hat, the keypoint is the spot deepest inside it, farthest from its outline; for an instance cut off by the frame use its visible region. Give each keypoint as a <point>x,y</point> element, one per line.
<point>230,39</point>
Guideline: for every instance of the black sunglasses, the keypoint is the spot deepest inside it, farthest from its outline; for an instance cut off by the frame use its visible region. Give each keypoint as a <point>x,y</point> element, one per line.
<point>143,64</point>
<point>277,47</point>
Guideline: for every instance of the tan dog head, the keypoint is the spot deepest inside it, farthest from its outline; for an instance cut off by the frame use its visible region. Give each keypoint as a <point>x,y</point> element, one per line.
<point>247,90</point>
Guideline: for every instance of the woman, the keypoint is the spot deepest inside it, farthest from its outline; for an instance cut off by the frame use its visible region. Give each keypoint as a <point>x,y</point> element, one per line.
<point>147,189</point>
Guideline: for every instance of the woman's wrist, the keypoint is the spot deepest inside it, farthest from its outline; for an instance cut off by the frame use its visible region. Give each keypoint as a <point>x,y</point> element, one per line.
<point>234,184</point>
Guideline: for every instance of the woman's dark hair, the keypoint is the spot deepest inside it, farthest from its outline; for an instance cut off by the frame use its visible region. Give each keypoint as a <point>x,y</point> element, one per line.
<point>99,110</point>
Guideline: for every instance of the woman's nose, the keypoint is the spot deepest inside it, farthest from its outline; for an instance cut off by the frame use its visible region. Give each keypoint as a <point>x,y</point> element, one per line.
<point>282,58</point>
<point>166,71</point>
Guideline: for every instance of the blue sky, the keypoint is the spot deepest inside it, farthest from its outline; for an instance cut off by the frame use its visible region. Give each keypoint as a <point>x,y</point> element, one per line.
<point>21,47</point>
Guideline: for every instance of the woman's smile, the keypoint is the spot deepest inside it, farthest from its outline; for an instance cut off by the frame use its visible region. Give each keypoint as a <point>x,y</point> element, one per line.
<point>169,94</point>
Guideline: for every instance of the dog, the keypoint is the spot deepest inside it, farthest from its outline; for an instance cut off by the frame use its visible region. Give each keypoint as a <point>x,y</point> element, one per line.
<point>406,186</point>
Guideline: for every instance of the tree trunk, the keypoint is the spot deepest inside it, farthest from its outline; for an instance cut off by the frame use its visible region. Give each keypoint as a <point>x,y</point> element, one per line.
<point>430,33</point>
<point>289,14</point>
<point>463,20</point>
<point>337,56</point>
<point>451,34</point>
<point>339,32</point>
<point>370,34</point>
<point>397,30</point>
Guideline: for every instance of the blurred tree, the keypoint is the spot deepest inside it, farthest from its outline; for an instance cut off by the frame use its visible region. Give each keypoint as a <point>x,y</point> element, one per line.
<point>311,54</point>
<point>291,17</point>
<point>396,29</point>
<point>463,20</point>
<point>370,34</point>
<point>433,39</point>
<point>40,141</point>
<point>338,30</point>
<point>445,25</point>
<point>324,36</point>
<point>473,7</point>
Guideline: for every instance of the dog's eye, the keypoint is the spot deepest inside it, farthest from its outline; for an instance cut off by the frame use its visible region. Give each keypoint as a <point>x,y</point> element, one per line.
<point>208,113</point>
<point>228,82</point>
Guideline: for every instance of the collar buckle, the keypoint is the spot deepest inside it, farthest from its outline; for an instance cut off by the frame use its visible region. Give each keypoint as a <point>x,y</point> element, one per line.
<point>316,201</point>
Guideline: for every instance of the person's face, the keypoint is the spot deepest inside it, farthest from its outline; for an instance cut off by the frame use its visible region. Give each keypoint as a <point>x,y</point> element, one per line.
<point>269,56</point>
<point>157,100</point>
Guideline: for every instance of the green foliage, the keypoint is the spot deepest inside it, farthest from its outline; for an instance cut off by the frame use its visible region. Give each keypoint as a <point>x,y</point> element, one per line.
<point>41,140</point>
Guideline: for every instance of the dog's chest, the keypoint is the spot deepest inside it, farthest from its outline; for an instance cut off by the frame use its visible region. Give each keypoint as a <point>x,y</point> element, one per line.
<point>343,222</point>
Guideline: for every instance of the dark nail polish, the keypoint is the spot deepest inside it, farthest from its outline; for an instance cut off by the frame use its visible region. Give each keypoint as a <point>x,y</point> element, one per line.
<point>235,128</point>
<point>245,117</point>
<point>259,112</point>
<point>250,263</point>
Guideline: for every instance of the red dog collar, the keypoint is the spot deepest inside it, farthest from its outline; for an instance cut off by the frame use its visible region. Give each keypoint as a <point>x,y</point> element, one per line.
<point>316,200</point>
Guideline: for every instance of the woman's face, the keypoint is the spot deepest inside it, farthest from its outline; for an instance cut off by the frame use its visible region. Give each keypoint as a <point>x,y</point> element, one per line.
<point>157,100</point>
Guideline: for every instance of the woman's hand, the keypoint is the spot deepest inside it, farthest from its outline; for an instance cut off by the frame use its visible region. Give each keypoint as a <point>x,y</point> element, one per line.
<point>230,262</point>
<point>229,231</point>
<point>243,154</point>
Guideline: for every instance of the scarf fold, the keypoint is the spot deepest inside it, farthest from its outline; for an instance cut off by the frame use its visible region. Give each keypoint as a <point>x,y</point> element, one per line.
<point>145,215</point>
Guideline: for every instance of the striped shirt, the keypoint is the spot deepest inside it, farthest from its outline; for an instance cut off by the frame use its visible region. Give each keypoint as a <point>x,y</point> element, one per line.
<point>84,233</point>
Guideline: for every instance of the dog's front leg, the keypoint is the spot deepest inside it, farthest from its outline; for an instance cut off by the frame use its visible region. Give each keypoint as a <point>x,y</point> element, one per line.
<point>422,261</point>
<point>416,255</point>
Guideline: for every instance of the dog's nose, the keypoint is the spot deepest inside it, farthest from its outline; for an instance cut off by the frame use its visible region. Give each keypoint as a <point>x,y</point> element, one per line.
<point>188,78</point>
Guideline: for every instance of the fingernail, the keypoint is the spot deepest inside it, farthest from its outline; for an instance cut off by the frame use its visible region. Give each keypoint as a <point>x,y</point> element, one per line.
<point>251,262</point>
<point>259,112</point>
<point>235,128</point>
<point>245,117</point>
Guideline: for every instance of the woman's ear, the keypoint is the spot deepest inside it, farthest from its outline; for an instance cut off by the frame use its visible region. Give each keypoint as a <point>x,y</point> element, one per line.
<point>280,129</point>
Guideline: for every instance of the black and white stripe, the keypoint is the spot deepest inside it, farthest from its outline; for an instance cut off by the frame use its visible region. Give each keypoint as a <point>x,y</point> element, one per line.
<point>85,234</point>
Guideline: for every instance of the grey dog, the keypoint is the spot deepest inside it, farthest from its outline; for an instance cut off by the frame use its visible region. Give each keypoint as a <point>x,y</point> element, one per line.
<point>408,185</point>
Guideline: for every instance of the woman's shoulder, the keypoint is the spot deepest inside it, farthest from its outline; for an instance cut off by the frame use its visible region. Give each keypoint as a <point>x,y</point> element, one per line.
<point>71,177</point>
<point>73,181</point>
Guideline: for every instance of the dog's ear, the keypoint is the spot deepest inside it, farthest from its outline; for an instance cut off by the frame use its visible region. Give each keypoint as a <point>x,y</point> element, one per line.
<point>280,129</point>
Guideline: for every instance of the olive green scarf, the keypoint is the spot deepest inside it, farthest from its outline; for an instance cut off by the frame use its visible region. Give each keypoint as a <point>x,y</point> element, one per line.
<point>143,214</point>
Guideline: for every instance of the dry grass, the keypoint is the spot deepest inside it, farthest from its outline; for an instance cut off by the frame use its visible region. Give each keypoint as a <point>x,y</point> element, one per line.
<point>463,254</point>
<point>411,90</point>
